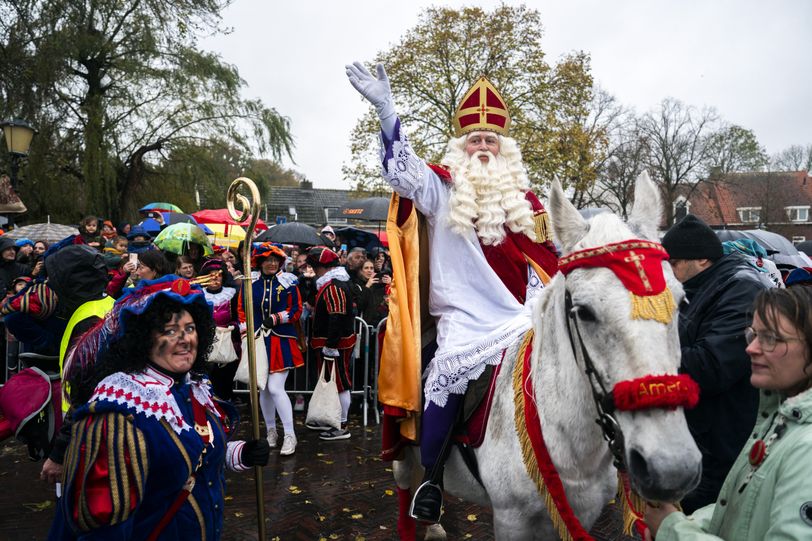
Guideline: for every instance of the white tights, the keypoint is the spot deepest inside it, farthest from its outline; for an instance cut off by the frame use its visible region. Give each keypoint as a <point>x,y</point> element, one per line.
<point>273,399</point>
<point>344,398</point>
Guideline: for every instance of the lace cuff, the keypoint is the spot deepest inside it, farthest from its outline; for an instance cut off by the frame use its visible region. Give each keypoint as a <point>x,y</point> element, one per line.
<point>402,168</point>
<point>451,373</point>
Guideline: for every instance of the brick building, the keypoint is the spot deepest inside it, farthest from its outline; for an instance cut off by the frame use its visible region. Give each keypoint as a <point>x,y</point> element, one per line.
<point>775,201</point>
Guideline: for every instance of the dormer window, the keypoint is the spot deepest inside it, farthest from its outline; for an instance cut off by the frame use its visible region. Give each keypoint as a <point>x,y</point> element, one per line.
<point>749,214</point>
<point>798,214</point>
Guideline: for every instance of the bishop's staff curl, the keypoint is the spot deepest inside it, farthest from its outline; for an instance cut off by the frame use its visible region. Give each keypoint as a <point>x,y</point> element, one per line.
<point>240,209</point>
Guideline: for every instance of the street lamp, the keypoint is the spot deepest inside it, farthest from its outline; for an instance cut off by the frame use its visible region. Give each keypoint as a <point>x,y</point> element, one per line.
<point>18,134</point>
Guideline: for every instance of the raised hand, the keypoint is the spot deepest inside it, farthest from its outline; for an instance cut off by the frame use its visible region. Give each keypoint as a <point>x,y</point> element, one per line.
<point>375,90</point>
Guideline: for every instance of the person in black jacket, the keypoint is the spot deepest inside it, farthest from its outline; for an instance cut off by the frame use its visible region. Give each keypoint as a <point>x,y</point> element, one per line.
<point>719,291</point>
<point>10,269</point>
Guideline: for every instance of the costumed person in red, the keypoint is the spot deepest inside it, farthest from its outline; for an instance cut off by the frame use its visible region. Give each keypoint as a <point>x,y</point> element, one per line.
<point>333,336</point>
<point>479,215</point>
<point>150,442</point>
<point>277,307</point>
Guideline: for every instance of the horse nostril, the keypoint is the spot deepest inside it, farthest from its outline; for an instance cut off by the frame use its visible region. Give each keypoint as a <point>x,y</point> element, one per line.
<point>639,466</point>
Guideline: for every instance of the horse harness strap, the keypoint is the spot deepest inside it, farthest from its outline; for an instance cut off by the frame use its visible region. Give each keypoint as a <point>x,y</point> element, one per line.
<point>604,401</point>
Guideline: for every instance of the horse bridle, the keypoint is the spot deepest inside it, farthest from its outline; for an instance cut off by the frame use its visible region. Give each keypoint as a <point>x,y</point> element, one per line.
<point>604,400</point>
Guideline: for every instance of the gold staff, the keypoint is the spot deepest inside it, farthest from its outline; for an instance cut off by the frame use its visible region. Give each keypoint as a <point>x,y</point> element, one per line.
<point>250,209</point>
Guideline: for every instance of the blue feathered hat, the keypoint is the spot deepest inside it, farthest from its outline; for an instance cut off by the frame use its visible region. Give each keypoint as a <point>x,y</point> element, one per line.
<point>96,341</point>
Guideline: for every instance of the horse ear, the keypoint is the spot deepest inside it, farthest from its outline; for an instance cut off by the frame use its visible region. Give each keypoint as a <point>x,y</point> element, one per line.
<point>568,225</point>
<point>646,213</point>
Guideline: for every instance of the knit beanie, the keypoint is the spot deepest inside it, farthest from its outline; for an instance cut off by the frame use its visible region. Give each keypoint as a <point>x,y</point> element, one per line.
<point>691,238</point>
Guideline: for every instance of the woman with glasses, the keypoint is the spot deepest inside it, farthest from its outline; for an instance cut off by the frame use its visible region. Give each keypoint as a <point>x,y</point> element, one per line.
<point>768,492</point>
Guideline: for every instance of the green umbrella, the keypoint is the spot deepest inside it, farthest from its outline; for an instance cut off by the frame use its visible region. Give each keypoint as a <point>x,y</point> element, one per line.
<point>176,239</point>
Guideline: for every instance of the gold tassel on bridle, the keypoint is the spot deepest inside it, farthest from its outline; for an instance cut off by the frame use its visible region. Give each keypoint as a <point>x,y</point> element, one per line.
<point>659,307</point>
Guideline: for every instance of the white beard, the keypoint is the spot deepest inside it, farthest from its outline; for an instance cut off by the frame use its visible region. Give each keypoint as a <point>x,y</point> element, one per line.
<point>488,197</point>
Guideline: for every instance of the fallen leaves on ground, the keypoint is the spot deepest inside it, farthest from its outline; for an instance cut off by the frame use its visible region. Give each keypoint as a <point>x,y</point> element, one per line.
<point>40,506</point>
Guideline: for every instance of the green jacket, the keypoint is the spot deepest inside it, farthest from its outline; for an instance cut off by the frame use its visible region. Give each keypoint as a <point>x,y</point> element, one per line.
<point>777,501</point>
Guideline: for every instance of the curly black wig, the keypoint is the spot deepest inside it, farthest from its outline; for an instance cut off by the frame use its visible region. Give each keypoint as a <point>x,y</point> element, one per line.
<point>130,353</point>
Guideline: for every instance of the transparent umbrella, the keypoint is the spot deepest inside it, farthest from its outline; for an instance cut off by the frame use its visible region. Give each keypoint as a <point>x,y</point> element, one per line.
<point>177,237</point>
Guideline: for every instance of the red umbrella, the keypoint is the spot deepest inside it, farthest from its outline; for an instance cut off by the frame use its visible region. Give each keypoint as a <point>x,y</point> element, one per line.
<point>220,216</point>
<point>384,238</point>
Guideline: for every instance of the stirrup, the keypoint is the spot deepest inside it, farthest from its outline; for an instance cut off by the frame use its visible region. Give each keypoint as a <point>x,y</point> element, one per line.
<point>429,508</point>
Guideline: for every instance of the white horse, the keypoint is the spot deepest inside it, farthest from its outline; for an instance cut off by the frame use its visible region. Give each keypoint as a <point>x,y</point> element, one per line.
<point>662,459</point>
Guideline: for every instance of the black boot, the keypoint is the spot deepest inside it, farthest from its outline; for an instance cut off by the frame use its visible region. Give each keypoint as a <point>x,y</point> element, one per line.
<point>427,504</point>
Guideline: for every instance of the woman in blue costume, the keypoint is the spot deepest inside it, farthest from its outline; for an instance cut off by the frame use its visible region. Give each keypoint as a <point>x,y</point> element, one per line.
<point>150,442</point>
<point>277,308</point>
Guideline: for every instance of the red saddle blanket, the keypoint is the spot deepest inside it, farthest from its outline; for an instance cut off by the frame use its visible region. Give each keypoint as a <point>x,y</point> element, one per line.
<point>479,397</point>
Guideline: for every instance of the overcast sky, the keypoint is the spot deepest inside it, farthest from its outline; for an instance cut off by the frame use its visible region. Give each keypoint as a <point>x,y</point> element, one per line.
<point>748,58</point>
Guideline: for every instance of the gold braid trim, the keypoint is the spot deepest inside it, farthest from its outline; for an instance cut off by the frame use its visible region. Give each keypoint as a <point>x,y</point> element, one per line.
<point>630,515</point>
<point>659,307</point>
<point>541,226</point>
<point>528,456</point>
<point>199,514</point>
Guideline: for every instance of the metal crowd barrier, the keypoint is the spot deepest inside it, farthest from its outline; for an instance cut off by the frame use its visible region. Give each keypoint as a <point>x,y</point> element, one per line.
<point>363,368</point>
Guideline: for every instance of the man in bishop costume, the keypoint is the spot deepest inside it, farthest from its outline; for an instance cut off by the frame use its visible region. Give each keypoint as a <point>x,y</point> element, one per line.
<point>459,294</point>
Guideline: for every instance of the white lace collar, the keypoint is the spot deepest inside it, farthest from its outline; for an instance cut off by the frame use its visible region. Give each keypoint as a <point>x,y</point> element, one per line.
<point>337,273</point>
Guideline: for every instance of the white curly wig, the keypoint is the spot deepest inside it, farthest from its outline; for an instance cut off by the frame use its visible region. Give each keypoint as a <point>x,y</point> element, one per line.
<point>488,196</point>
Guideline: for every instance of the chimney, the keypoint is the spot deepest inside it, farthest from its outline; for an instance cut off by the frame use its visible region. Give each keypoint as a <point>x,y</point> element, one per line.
<point>306,185</point>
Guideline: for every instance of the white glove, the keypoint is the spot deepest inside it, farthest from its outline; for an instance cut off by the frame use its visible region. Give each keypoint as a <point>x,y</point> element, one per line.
<point>376,91</point>
<point>286,279</point>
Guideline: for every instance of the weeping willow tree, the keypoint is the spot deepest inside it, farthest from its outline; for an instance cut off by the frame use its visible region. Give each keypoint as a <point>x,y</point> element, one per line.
<point>114,86</point>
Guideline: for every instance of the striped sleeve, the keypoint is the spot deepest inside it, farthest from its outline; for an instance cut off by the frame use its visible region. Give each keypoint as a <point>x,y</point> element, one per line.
<point>336,300</point>
<point>105,470</point>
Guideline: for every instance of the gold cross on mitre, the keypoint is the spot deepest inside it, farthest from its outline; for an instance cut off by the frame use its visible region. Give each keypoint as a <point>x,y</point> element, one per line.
<point>482,108</point>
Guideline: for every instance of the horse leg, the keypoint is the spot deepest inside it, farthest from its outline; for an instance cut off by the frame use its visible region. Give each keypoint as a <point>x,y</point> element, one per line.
<point>403,471</point>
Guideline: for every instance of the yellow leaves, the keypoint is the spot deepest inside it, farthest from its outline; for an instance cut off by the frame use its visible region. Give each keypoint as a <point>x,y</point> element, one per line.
<point>357,516</point>
<point>239,514</point>
<point>39,506</point>
<point>229,498</point>
<point>321,517</point>
<point>389,492</point>
<point>471,517</point>
<point>293,489</point>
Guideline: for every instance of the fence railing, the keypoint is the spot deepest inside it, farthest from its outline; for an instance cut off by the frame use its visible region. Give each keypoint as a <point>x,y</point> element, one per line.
<point>363,368</point>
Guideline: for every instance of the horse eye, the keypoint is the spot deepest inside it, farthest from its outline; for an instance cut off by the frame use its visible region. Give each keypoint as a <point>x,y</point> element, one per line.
<point>584,313</point>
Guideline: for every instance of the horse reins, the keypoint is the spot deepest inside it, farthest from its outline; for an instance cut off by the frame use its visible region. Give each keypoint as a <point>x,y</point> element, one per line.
<point>604,400</point>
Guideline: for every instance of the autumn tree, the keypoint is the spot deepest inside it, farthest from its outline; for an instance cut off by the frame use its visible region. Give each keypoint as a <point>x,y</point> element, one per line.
<point>121,81</point>
<point>436,62</point>
<point>735,149</point>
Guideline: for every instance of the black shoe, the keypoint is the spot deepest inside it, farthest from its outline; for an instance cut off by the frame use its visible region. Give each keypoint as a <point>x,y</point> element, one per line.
<point>334,434</point>
<point>427,504</point>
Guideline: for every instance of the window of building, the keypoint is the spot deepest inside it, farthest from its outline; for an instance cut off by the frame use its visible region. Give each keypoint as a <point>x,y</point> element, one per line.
<point>798,214</point>
<point>332,216</point>
<point>749,214</point>
<point>681,208</point>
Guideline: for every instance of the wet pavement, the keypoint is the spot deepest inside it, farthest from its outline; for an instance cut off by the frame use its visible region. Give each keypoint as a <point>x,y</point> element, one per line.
<point>326,490</point>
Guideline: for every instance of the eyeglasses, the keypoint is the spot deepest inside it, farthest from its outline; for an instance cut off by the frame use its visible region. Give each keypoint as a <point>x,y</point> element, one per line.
<point>767,340</point>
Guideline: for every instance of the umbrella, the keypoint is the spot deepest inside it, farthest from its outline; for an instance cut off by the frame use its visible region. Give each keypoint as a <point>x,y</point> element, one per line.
<point>151,226</point>
<point>221,216</point>
<point>292,233</point>
<point>354,237</point>
<point>226,235</point>
<point>160,207</point>
<point>371,209</point>
<point>176,239</point>
<point>805,247</point>
<point>46,231</point>
<point>181,218</point>
<point>781,250</point>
